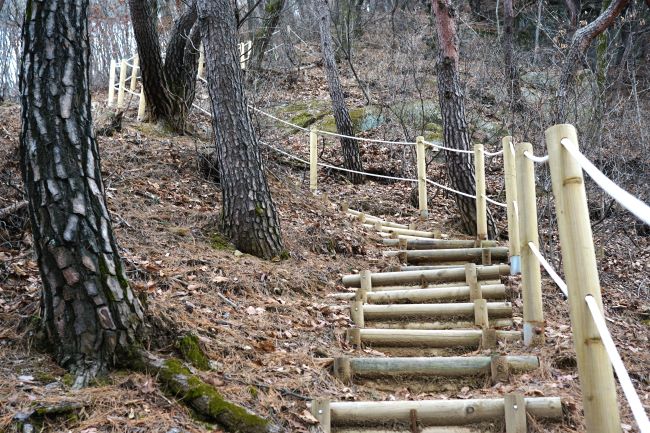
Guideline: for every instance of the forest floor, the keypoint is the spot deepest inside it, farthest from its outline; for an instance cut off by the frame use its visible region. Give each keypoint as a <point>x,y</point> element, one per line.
<point>268,327</point>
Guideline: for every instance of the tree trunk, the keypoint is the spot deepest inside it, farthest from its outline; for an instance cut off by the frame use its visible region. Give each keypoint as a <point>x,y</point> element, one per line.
<point>452,106</point>
<point>579,44</point>
<point>511,70</point>
<point>249,216</point>
<point>351,156</point>
<point>272,13</point>
<point>88,310</point>
<point>169,86</point>
<point>573,7</point>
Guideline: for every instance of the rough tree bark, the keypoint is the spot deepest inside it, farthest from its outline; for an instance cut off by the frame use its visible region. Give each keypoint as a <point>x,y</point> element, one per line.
<point>511,70</point>
<point>452,106</point>
<point>169,86</point>
<point>351,156</point>
<point>272,13</point>
<point>250,219</point>
<point>581,41</point>
<point>88,311</point>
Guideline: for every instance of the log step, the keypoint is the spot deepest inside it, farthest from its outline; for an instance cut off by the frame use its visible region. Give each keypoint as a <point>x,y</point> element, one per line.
<point>374,219</point>
<point>432,286</point>
<point>426,276</point>
<point>406,311</point>
<point>426,338</point>
<point>462,324</point>
<point>402,231</point>
<point>429,294</point>
<point>449,255</point>
<point>427,412</point>
<point>436,244</point>
<point>453,366</point>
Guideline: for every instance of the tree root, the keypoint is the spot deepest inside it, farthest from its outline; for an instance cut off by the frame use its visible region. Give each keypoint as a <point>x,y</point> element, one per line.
<point>179,381</point>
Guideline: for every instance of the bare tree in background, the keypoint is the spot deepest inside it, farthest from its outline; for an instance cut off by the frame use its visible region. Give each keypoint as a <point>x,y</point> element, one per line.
<point>351,156</point>
<point>88,311</point>
<point>250,219</point>
<point>169,87</point>
<point>452,106</point>
<point>272,12</point>
<point>580,43</point>
<point>511,70</point>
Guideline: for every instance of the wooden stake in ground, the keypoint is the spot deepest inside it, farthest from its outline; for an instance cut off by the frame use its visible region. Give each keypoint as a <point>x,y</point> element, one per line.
<point>531,276</point>
<point>481,203</point>
<point>579,262</point>
<point>511,201</point>
<point>422,177</point>
<point>313,161</point>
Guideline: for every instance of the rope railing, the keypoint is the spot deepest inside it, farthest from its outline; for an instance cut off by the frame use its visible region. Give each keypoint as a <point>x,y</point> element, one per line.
<point>549,270</point>
<point>536,159</point>
<point>624,198</point>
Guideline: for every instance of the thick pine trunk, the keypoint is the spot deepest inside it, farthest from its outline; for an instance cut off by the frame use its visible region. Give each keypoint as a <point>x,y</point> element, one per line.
<point>455,130</point>
<point>272,13</point>
<point>169,86</point>
<point>88,311</point>
<point>351,156</point>
<point>249,216</point>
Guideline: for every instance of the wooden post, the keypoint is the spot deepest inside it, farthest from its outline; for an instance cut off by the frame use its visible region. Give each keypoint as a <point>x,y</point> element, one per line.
<point>122,84</point>
<point>486,257</point>
<point>511,201</point>
<point>201,62</point>
<point>500,368</point>
<point>142,106</point>
<point>134,72</point>
<point>471,278</point>
<point>111,83</point>
<point>531,276</point>
<point>579,262</point>
<point>481,203</point>
<point>343,369</point>
<point>320,408</point>
<point>345,206</point>
<point>366,286</point>
<point>356,313</point>
<point>515,413</point>
<point>313,161</point>
<point>481,313</point>
<point>422,177</point>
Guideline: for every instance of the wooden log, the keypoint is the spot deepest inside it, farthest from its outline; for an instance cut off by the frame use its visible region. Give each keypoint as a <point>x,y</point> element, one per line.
<point>440,325</point>
<point>372,218</point>
<point>511,201</point>
<point>437,429</point>
<point>458,309</point>
<point>481,203</point>
<point>579,262</point>
<point>531,277</point>
<point>447,366</point>
<point>401,231</point>
<point>394,235</point>
<point>313,161</point>
<point>431,286</point>
<point>122,84</point>
<point>422,176</point>
<point>415,277</point>
<point>435,244</point>
<point>429,338</point>
<point>430,294</point>
<point>438,412</point>
<point>448,255</point>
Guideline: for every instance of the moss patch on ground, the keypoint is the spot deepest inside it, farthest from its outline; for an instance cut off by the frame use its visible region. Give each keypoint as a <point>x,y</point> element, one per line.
<point>190,348</point>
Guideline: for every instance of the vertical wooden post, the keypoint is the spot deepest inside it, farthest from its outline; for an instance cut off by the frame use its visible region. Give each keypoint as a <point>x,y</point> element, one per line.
<point>111,84</point>
<point>422,177</point>
<point>201,61</point>
<point>142,106</point>
<point>481,203</point>
<point>356,314</point>
<point>511,201</point>
<point>122,84</point>
<point>366,286</point>
<point>320,408</point>
<point>343,369</point>
<point>531,276</point>
<point>579,262</point>
<point>134,72</point>
<point>313,161</point>
<point>515,413</point>
<point>481,313</point>
<point>345,206</point>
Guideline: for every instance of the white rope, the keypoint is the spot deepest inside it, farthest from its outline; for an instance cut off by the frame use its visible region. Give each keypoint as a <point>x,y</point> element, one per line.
<point>403,179</point>
<point>437,146</point>
<point>623,377</point>
<point>278,119</point>
<point>369,140</point>
<point>549,269</point>
<point>537,159</point>
<point>625,199</point>
<point>488,199</point>
<point>493,153</point>
<point>202,109</point>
